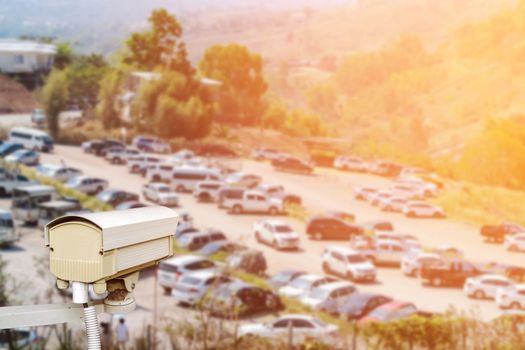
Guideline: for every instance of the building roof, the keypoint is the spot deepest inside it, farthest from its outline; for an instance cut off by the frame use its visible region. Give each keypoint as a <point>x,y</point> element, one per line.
<point>21,46</point>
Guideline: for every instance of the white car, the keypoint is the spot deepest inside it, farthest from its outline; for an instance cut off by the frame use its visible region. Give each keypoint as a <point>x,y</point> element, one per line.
<point>23,156</point>
<point>422,209</point>
<point>349,163</point>
<point>511,298</point>
<point>407,191</point>
<point>393,204</point>
<point>207,191</point>
<point>428,188</point>
<point>364,193</point>
<point>277,234</point>
<point>375,198</point>
<point>160,172</point>
<point>255,202</point>
<point>265,153</point>
<point>328,295</point>
<point>243,180</point>
<point>119,155</point>
<point>172,270</point>
<point>303,327</point>
<point>160,193</point>
<point>58,172</point>
<point>485,286</point>
<point>515,243</point>
<point>87,184</point>
<point>385,251</point>
<point>412,262</point>
<point>347,263</point>
<point>303,285</point>
<point>192,287</point>
<point>139,164</point>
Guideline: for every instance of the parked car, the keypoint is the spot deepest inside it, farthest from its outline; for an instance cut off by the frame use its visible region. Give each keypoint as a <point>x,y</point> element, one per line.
<point>302,285</point>
<point>171,270</point>
<point>159,172</point>
<point>248,260</point>
<point>372,227</point>
<point>383,252</point>
<point>243,180</point>
<point>115,197</point>
<point>350,164</point>
<point>393,204</point>
<point>358,305</point>
<point>511,298</point>
<point>198,240</point>
<point>255,202</point>
<point>38,118</point>
<point>239,299</point>
<point>139,164</point>
<point>348,264</point>
<point>448,252</point>
<point>100,148</point>
<point>364,193</point>
<point>276,233</point>
<point>451,273</point>
<point>185,178</point>
<point>160,193</point>
<point>304,327</point>
<point>408,191</point>
<point>8,147</point>
<point>412,262</point>
<point>330,227</point>
<point>120,155</point>
<point>265,153</point>
<point>497,233</point>
<point>87,184</point>
<point>21,338</point>
<point>24,157</point>
<point>284,277</point>
<point>515,242</point>
<point>485,286</point>
<point>207,191</point>
<point>292,164</point>
<point>9,234</point>
<point>11,181</point>
<point>150,144</point>
<point>342,215</point>
<point>227,195</point>
<point>185,222</point>
<point>58,172</point>
<point>328,296</point>
<point>277,191</point>
<point>387,169</point>
<point>428,189</point>
<point>392,311</point>
<point>224,246</point>
<point>215,150</point>
<point>422,209</point>
<point>192,287</point>
<point>375,198</point>
<point>130,205</point>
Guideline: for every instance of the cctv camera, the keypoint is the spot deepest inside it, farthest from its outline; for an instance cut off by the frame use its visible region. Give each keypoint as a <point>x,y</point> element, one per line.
<point>108,249</point>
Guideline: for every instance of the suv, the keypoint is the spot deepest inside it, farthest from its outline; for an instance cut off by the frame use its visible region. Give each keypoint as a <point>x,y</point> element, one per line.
<point>160,172</point>
<point>228,194</point>
<point>383,251</point>
<point>150,144</point>
<point>330,227</point>
<point>119,155</point>
<point>347,263</point>
<point>139,164</point>
<point>292,164</point>
<point>453,273</point>
<point>198,240</point>
<point>207,191</point>
<point>171,270</point>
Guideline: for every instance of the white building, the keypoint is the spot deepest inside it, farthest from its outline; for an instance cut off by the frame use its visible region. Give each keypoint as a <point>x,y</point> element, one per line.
<point>22,56</point>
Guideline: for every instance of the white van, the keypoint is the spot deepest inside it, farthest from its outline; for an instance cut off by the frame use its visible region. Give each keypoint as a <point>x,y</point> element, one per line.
<point>32,139</point>
<point>185,179</point>
<point>26,200</point>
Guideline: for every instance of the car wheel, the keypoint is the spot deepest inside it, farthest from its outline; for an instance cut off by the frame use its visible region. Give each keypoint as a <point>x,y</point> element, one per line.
<point>437,282</point>
<point>2,192</point>
<point>275,245</point>
<point>411,214</point>
<point>273,211</point>
<point>415,273</point>
<point>167,290</point>
<point>179,188</point>
<point>156,178</point>
<point>258,237</point>
<point>237,209</point>
<point>371,259</point>
<point>479,294</point>
<point>513,248</point>
<point>318,236</point>
<point>99,189</point>
<point>135,168</point>
<point>204,197</point>
<point>388,208</point>
<point>515,305</point>
<point>350,276</point>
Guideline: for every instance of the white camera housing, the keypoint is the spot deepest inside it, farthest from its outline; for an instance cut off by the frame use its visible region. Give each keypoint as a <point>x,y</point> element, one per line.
<point>96,248</point>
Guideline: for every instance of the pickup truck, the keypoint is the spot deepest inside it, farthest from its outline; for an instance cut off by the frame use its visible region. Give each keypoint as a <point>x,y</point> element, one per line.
<point>450,273</point>
<point>255,202</point>
<point>497,233</point>
<point>10,181</point>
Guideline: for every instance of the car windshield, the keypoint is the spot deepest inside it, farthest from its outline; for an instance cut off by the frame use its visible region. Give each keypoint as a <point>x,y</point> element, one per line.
<point>381,313</point>
<point>301,283</point>
<point>19,153</point>
<point>355,258</point>
<point>163,189</point>
<point>74,181</point>
<point>319,293</point>
<point>283,229</point>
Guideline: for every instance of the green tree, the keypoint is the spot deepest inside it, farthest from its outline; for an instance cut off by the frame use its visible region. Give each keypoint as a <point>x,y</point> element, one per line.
<point>108,107</point>
<point>64,55</point>
<point>243,84</point>
<point>84,75</point>
<point>161,46</point>
<point>55,95</point>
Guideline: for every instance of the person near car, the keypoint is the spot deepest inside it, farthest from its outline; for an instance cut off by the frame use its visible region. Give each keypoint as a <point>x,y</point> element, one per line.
<point>122,334</point>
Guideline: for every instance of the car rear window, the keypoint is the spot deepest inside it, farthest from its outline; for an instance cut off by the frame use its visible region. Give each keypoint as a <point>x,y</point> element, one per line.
<point>168,267</point>
<point>190,280</point>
